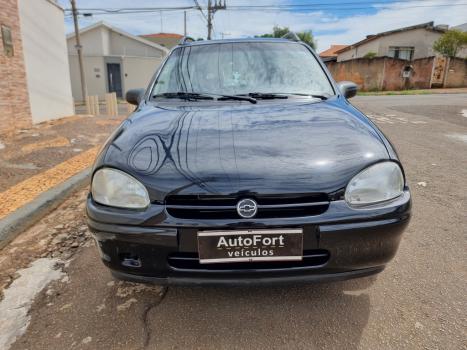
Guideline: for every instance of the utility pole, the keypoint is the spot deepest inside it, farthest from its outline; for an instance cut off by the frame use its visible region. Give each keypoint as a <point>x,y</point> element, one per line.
<point>211,11</point>
<point>162,23</point>
<point>79,49</point>
<point>184,23</point>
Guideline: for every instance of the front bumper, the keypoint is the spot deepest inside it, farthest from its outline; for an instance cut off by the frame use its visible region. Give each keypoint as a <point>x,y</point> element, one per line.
<point>342,243</point>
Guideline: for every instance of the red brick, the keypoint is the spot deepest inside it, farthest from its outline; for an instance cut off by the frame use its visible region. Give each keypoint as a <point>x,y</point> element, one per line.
<point>15,112</point>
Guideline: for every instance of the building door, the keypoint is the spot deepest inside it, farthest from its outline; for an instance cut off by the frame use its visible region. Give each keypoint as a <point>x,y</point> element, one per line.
<point>439,71</point>
<point>114,78</point>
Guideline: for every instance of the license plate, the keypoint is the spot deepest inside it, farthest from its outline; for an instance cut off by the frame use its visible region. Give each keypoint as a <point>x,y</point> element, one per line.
<point>250,245</point>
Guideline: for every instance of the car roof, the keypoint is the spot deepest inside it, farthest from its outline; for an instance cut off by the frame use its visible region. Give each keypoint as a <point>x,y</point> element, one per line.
<point>240,40</point>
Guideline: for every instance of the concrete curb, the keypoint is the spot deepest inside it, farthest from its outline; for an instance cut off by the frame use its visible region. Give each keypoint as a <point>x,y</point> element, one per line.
<point>21,219</point>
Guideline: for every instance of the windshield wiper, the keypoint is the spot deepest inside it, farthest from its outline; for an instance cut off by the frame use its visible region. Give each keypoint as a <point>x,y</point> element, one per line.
<point>282,95</point>
<point>237,98</point>
<point>265,96</point>
<point>203,96</point>
<point>321,97</point>
<point>185,95</point>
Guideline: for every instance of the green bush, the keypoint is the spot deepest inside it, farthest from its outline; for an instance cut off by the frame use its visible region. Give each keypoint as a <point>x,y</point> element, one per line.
<point>370,55</point>
<point>450,43</point>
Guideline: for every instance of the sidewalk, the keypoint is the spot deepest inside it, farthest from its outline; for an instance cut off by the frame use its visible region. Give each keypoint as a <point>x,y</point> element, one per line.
<point>35,160</point>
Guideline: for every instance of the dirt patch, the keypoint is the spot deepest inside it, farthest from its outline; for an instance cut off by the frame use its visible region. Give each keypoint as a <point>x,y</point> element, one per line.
<point>57,235</point>
<point>55,142</point>
<point>28,152</point>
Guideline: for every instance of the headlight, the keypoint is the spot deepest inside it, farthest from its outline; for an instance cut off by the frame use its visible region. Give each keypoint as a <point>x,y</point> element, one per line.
<point>117,189</point>
<point>377,183</point>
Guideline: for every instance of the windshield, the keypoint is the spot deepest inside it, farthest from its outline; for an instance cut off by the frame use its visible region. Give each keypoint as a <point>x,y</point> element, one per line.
<point>243,68</point>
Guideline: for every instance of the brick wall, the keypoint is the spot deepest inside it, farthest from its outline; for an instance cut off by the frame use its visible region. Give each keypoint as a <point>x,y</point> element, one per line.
<point>366,73</point>
<point>456,75</point>
<point>14,101</point>
<point>385,73</point>
<point>422,71</point>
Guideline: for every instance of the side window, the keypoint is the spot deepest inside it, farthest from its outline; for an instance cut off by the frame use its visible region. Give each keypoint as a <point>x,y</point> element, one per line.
<point>404,53</point>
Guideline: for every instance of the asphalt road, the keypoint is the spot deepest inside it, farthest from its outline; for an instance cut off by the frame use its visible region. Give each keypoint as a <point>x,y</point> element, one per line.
<point>418,302</point>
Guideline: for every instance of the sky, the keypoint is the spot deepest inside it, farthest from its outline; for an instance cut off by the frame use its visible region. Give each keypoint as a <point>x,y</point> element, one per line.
<point>331,21</point>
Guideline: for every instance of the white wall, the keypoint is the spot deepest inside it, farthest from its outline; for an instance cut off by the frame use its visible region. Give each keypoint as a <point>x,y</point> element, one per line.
<point>462,52</point>
<point>359,51</point>
<point>123,46</point>
<point>94,73</point>
<point>92,42</point>
<point>421,39</point>
<point>46,60</point>
<point>101,41</point>
<point>138,71</point>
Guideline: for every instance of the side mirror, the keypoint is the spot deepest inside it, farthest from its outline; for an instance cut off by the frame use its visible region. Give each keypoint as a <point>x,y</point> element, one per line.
<point>134,96</point>
<point>348,88</point>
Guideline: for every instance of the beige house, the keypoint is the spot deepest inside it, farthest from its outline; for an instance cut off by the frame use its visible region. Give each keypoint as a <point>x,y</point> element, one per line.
<point>114,61</point>
<point>34,75</point>
<point>405,43</point>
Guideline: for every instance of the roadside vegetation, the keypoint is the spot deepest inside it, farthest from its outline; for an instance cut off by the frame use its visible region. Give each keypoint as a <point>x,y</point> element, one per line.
<point>370,55</point>
<point>279,32</point>
<point>451,42</point>
<point>412,92</point>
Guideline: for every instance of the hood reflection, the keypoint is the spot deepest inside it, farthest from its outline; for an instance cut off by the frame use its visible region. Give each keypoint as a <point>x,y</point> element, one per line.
<point>266,148</point>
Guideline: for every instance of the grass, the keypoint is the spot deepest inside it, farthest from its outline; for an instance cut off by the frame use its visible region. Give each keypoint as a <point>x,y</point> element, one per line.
<point>460,90</point>
<point>401,92</point>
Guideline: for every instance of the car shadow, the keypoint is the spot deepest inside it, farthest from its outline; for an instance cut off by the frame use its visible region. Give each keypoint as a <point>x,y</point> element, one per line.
<point>331,315</point>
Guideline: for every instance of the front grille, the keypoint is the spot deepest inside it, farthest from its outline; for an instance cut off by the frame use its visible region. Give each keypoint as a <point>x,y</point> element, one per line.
<point>190,261</point>
<point>225,207</point>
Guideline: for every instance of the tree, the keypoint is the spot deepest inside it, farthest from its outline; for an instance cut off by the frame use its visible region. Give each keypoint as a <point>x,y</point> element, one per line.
<point>307,37</point>
<point>450,43</point>
<point>279,32</point>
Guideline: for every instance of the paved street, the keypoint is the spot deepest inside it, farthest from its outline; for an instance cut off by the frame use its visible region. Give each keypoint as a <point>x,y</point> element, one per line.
<point>418,302</point>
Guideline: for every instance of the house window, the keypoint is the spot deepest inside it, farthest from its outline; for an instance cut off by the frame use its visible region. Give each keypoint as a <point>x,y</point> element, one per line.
<point>402,52</point>
<point>7,41</point>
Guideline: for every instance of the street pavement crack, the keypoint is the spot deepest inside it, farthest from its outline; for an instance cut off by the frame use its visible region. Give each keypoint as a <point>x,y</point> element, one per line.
<point>145,316</point>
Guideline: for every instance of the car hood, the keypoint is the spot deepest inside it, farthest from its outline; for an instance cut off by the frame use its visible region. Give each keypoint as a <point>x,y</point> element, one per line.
<point>266,148</point>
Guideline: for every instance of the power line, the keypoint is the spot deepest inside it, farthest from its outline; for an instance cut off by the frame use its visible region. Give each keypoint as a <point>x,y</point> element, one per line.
<point>200,9</point>
<point>303,4</point>
<point>274,8</point>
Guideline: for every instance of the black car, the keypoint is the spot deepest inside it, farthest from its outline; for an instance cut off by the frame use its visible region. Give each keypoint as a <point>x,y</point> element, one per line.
<point>245,163</point>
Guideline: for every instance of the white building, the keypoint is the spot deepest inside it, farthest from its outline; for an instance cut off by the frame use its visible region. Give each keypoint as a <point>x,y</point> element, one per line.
<point>114,61</point>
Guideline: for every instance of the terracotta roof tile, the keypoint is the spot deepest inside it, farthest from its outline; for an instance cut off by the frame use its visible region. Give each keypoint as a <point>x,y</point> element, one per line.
<point>331,52</point>
<point>163,35</point>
